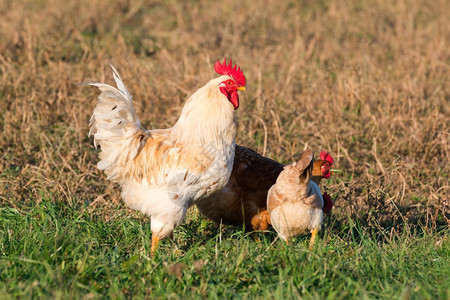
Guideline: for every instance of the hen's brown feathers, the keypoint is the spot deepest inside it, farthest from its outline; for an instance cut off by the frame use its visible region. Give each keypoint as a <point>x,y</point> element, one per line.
<point>247,163</point>
<point>317,171</point>
<point>243,199</point>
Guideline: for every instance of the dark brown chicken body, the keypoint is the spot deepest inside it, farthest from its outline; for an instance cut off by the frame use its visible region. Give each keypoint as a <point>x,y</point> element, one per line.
<point>243,199</point>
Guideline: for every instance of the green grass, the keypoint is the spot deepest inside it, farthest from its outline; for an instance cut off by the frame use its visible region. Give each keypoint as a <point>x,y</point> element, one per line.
<point>54,250</point>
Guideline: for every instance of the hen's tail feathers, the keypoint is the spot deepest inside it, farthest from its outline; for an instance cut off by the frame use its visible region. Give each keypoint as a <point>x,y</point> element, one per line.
<point>115,127</point>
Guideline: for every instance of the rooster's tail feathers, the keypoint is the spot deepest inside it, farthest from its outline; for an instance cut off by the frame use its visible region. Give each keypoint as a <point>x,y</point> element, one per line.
<point>114,125</point>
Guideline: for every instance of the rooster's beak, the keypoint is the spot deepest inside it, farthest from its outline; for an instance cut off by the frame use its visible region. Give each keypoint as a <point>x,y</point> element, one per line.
<point>241,88</point>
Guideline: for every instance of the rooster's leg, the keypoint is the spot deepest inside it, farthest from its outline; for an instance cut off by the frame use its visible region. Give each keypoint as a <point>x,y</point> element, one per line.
<point>313,238</point>
<point>155,241</point>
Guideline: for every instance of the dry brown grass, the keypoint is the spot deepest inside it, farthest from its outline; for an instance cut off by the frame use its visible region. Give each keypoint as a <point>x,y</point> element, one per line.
<point>368,82</point>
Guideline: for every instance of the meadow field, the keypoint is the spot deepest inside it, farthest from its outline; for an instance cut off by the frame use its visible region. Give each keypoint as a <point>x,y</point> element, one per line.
<point>367,81</point>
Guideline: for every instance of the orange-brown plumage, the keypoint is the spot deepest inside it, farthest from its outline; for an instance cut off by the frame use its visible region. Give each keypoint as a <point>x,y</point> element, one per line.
<point>161,152</point>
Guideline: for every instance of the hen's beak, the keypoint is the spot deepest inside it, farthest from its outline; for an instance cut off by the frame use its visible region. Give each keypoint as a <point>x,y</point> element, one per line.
<point>241,88</point>
<point>332,171</point>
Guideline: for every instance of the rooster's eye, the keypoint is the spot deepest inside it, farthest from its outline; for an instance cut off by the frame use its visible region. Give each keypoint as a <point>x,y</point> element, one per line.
<point>229,82</point>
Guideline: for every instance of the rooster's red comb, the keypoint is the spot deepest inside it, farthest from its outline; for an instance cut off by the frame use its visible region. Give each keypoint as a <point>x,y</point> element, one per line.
<point>235,72</point>
<point>326,156</point>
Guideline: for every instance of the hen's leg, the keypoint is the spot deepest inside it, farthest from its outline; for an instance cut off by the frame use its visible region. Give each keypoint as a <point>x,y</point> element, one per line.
<point>155,242</point>
<point>313,238</point>
<point>261,221</point>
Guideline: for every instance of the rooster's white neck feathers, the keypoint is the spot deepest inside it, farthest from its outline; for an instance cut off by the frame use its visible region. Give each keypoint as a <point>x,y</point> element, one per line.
<point>207,117</point>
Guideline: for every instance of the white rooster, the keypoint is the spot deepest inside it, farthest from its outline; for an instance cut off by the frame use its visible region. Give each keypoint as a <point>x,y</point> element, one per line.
<point>162,171</point>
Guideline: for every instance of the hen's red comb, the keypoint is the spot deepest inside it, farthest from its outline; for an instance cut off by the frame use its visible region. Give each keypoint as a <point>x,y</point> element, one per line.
<point>235,72</point>
<point>326,156</point>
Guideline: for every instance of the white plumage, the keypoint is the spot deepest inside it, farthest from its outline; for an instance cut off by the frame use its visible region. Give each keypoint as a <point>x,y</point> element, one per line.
<point>162,171</point>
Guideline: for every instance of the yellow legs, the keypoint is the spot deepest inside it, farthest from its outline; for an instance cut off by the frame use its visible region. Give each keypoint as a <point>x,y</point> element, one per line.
<point>260,222</point>
<point>313,238</point>
<point>155,241</point>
